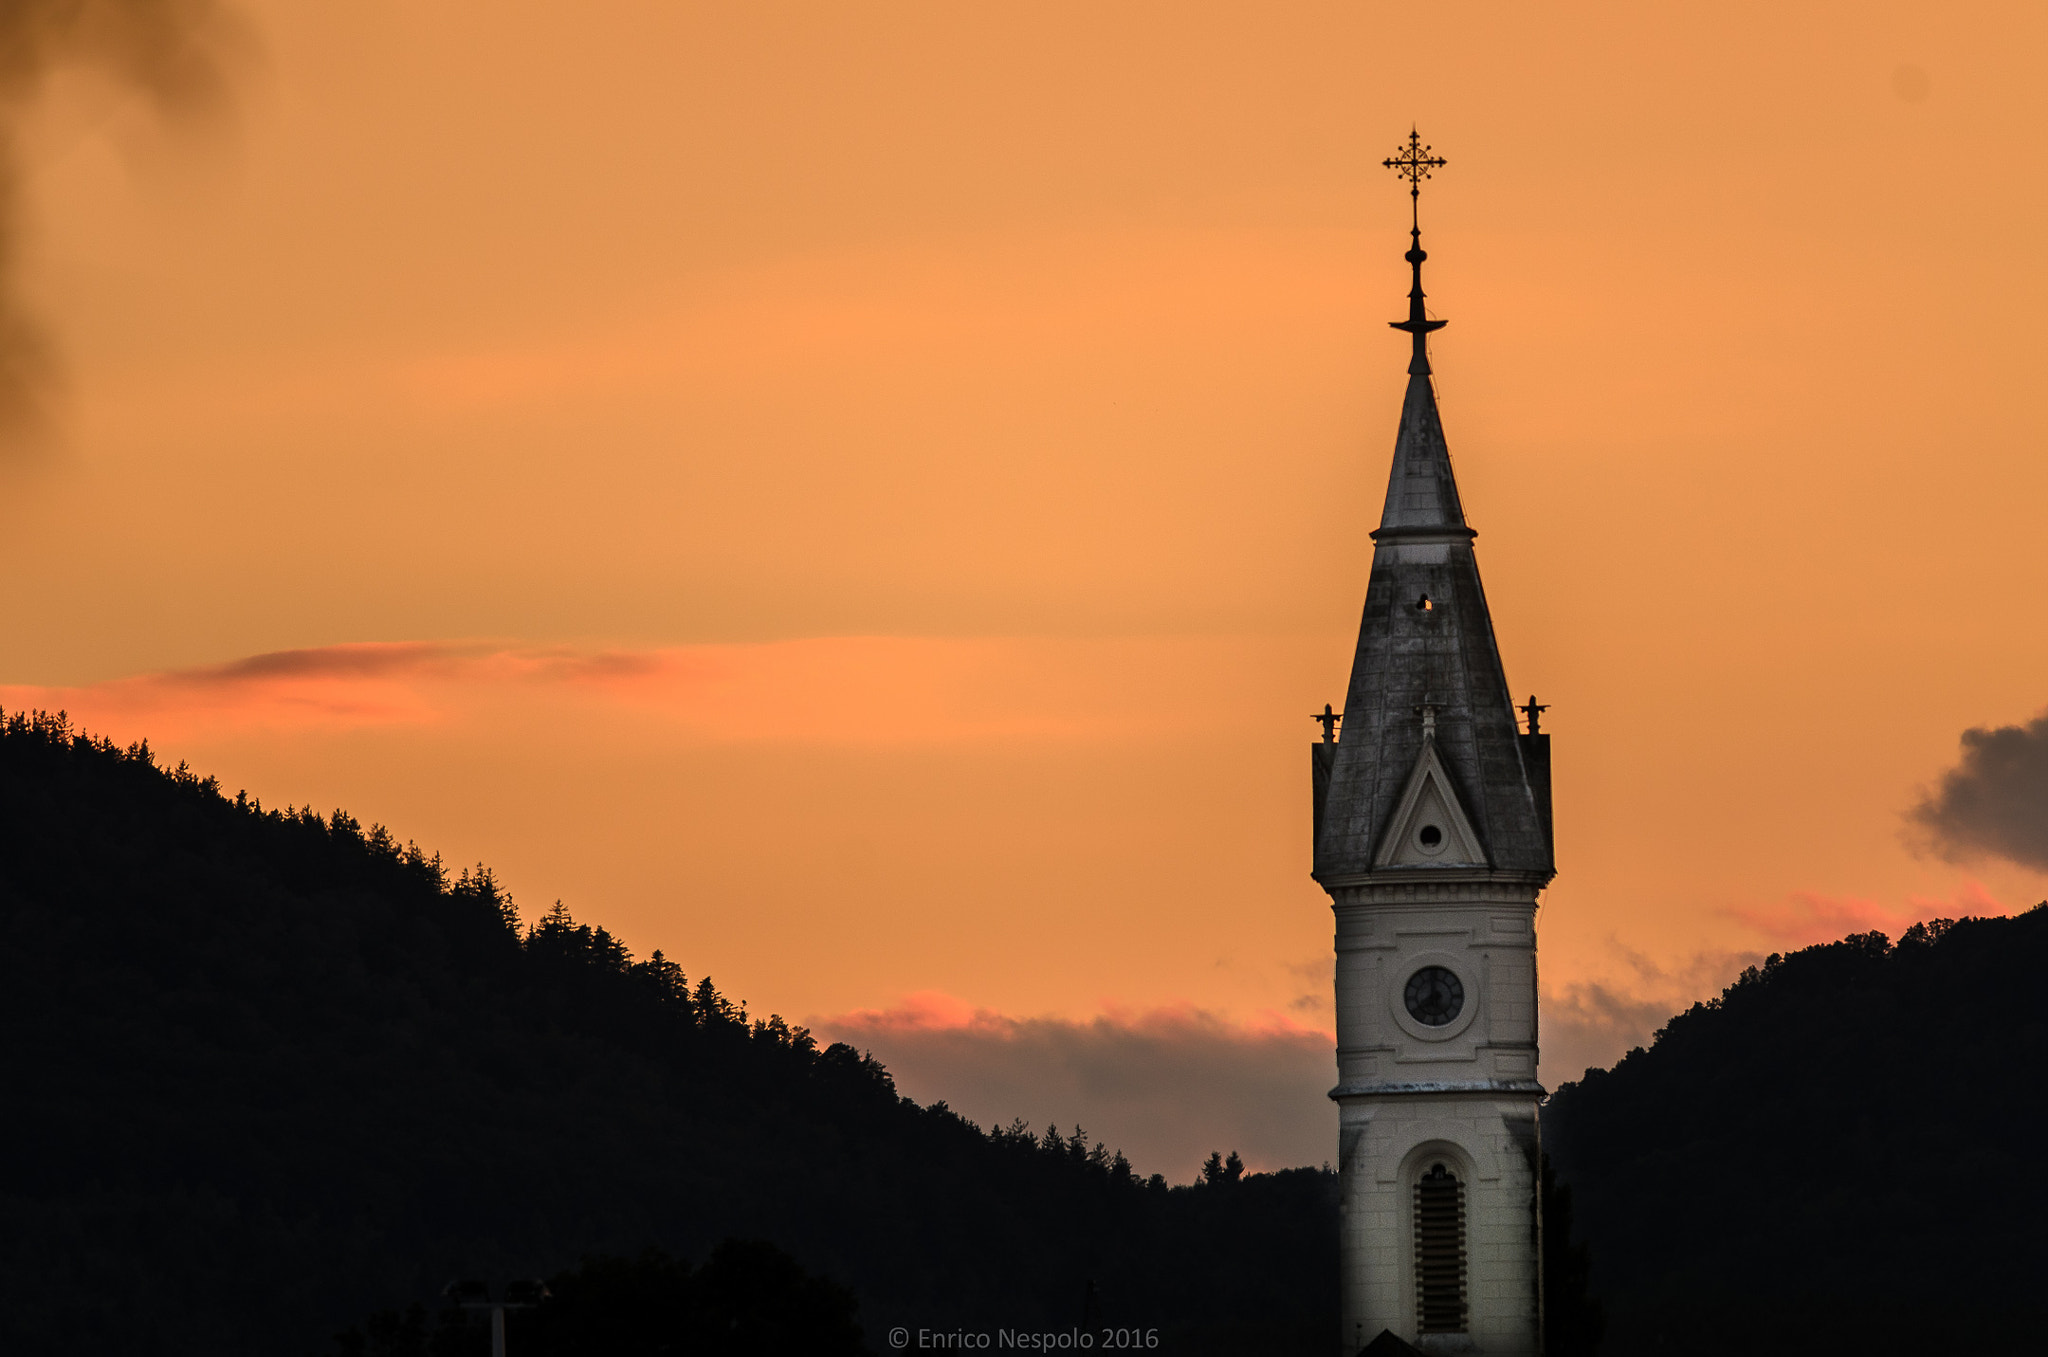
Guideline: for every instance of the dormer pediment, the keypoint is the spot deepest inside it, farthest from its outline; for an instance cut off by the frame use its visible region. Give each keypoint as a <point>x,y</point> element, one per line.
<point>1429,827</point>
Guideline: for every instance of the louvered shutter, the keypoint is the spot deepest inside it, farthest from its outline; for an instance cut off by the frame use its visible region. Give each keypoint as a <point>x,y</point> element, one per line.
<point>1440,1252</point>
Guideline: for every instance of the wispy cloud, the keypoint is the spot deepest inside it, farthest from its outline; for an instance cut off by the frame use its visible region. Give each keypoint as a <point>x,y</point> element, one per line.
<point>1805,918</point>
<point>332,685</point>
<point>847,690</point>
<point>1591,1024</point>
<point>1167,1085</point>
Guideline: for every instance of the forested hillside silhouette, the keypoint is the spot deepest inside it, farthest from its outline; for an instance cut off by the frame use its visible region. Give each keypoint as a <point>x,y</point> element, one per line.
<point>270,1072</point>
<point>1843,1153</point>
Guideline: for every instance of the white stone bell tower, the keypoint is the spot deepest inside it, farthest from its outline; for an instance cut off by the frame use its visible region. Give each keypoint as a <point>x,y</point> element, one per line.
<point>1433,839</point>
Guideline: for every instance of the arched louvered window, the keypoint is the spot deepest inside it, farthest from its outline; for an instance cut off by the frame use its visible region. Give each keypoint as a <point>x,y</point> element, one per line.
<point>1440,1252</point>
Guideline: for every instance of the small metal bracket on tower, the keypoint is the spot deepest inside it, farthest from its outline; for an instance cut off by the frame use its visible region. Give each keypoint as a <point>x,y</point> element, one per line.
<point>1331,720</point>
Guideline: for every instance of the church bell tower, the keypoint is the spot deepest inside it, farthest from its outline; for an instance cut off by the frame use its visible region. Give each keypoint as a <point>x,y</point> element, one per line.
<point>1433,839</point>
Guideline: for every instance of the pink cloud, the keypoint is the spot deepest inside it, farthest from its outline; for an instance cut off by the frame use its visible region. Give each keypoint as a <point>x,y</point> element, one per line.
<point>373,684</point>
<point>932,1011</point>
<point>927,1010</point>
<point>857,690</point>
<point>1805,918</point>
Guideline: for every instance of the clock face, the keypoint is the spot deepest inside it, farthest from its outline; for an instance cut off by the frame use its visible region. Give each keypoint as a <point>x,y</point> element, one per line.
<point>1435,996</point>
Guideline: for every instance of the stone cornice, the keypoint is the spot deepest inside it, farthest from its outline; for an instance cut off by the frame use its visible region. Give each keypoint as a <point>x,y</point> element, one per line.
<point>1429,533</point>
<point>1418,875</point>
<point>1471,889</point>
<point>1441,1088</point>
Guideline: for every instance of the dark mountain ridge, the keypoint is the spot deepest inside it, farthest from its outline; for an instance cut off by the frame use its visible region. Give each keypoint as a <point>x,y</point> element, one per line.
<point>1839,1154</point>
<point>268,1071</point>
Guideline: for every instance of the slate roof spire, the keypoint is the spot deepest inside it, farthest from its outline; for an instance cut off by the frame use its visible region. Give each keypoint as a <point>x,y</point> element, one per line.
<point>1428,693</point>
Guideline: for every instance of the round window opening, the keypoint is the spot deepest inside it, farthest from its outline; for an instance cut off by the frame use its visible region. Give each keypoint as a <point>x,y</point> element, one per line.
<point>1435,997</point>
<point>1430,837</point>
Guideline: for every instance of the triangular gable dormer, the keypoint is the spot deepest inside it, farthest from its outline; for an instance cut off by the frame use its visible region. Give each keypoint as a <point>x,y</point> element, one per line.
<point>1429,828</point>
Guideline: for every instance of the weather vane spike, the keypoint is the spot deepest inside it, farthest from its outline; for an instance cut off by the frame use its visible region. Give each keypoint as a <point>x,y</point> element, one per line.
<point>1414,163</point>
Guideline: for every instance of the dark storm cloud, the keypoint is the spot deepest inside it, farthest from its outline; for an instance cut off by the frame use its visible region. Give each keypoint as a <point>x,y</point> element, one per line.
<point>174,53</point>
<point>1995,801</point>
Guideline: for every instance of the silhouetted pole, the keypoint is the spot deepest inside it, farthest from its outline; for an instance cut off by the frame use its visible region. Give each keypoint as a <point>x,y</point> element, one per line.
<point>473,1295</point>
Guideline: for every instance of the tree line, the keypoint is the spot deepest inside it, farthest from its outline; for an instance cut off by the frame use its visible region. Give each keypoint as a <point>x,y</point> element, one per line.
<point>272,1071</point>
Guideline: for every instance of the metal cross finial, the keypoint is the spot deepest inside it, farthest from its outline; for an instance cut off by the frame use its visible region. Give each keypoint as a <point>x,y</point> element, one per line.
<point>1330,720</point>
<point>1413,163</point>
<point>1534,711</point>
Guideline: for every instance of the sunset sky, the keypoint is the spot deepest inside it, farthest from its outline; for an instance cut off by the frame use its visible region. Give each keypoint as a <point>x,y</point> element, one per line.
<point>864,498</point>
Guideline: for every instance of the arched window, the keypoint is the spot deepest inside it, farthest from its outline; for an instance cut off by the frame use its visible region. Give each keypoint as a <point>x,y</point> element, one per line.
<point>1439,1252</point>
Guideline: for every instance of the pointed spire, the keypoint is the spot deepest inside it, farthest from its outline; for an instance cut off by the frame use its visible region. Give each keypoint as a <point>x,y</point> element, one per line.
<point>1428,705</point>
<point>1422,493</point>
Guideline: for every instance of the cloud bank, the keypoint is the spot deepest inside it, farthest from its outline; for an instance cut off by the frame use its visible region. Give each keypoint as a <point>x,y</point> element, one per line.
<point>1995,801</point>
<point>1169,1085</point>
<point>1166,1085</point>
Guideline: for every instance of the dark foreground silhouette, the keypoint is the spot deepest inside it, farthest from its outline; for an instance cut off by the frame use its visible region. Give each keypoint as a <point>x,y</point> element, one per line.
<point>749,1299</point>
<point>1840,1154</point>
<point>269,1073</point>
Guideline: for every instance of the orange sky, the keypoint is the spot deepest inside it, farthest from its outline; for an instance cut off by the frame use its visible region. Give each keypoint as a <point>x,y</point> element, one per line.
<point>865,497</point>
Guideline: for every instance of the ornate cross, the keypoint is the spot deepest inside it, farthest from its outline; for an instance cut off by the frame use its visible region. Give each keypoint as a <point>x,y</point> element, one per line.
<point>1413,163</point>
<point>1534,711</point>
